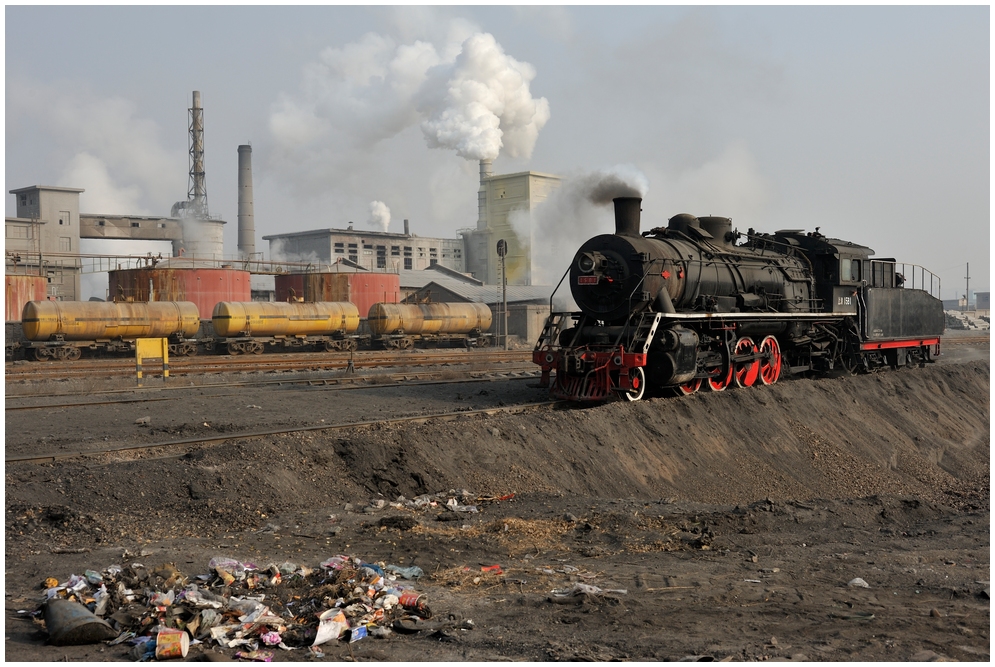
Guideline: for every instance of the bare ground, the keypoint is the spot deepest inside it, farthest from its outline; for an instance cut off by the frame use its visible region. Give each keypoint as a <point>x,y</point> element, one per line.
<point>733,521</point>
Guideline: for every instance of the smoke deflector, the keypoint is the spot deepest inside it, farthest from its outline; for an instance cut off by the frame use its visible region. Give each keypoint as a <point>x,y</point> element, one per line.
<point>627,215</point>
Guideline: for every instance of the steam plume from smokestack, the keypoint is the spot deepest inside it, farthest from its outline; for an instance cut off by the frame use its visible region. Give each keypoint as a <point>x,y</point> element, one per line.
<point>481,103</point>
<point>379,216</point>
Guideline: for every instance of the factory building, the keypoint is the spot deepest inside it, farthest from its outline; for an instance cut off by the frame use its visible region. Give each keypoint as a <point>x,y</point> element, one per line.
<point>43,238</point>
<point>373,251</point>
<point>504,211</point>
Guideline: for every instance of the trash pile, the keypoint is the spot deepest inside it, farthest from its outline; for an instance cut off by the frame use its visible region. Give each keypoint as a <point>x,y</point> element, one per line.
<point>160,612</point>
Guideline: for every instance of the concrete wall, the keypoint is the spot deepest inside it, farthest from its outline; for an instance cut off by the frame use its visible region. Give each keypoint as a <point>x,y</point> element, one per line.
<point>371,250</point>
<point>526,320</point>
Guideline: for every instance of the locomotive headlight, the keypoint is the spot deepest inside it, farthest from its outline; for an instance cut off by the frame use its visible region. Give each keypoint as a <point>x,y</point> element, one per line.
<point>586,263</point>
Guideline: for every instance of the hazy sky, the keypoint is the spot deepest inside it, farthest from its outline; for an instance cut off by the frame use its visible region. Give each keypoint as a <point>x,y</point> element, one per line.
<point>871,123</point>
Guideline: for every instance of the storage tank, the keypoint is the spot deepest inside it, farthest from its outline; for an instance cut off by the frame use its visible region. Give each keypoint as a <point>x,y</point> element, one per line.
<point>203,287</point>
<point>20,289</point>
<point>363,288</point>
<point>272,318</point>
<point>428,318</point>
<point>96,320</point>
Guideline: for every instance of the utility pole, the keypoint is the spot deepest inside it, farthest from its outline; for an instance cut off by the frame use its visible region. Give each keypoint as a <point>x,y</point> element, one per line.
<point>967,288</point>
<point>502,250</point>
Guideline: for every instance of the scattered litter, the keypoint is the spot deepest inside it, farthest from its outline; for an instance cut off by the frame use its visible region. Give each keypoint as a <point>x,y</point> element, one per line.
<point>159,612</point>
<point>586,589</point>
<point>493,569</point>
<point>855,616</point>
<point>753,581</point>
<point>857,582</point>
<point>143,421</point>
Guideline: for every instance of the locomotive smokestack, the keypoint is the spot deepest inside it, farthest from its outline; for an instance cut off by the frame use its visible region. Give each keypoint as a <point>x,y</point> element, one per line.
<point>246,218</point>
<point>627,215</point>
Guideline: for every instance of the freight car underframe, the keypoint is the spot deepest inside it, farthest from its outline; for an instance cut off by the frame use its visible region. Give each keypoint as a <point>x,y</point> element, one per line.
<point>71,350</point>
<point>684,352</point>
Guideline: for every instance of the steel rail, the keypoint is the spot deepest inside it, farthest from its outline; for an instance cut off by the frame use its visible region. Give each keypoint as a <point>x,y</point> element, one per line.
<point>418,419</point>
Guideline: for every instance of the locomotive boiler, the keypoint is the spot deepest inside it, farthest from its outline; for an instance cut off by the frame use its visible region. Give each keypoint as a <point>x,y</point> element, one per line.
<point>395,324</point>
<point>62,329</point>
<point>247,327</point>
<point>685,306</point>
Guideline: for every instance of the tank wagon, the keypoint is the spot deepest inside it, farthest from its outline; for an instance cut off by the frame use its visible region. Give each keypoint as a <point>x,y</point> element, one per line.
<point>401,325</point>
<point>249,327</point>
<point>697,305</point>
<point>63,329</point>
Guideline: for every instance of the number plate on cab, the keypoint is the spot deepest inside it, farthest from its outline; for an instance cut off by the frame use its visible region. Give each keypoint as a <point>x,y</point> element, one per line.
<point>587,280</point>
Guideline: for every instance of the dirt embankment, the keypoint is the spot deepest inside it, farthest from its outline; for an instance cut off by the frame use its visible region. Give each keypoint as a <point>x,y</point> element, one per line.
<point>923,432</point>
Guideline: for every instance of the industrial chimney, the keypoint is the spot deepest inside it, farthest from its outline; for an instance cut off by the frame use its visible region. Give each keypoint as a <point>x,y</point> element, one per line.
<point>486,170</point>
<point>246,219</point>
<point>197,193</point>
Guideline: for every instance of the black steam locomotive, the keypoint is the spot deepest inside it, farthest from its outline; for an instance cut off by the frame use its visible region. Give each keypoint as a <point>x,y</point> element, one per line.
<point>698,305</point>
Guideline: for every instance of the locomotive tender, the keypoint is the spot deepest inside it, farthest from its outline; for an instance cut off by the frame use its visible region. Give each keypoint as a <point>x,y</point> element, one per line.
<point>684,307</point>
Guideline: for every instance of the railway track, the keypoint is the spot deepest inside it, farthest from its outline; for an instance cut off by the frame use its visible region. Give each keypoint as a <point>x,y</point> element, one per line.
<point>328,384</point>
<point>215,439</point>
<point>179,366</point>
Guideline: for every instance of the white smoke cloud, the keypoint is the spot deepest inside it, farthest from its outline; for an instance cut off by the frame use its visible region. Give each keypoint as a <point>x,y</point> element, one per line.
<point>468,95</point>
<point>579,209</point>
<point>102,194</point>
<point>481,103</point>
<point>119,157</point>
<point>379,216</point>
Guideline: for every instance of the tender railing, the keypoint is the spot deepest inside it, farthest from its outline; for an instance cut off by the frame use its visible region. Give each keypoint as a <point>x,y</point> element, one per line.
<point>914,275</point>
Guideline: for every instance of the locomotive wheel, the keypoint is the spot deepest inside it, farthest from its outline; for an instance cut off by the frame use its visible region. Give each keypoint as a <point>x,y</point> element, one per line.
<point>257,348</point>
<point>72,353</point>
<point>332,346</point>
<point>746,373</point>
<point>637,378</point>
<point>719,384</point>
<point>689,388</point>
<point>234,348</point>
<point>770,366</point>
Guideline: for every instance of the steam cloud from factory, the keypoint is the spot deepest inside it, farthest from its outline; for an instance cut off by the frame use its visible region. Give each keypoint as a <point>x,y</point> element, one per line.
<point>469,97</point>
<point>379,216</point>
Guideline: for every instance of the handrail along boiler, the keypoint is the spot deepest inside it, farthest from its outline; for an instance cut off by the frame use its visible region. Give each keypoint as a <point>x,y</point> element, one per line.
<point>685,307</point>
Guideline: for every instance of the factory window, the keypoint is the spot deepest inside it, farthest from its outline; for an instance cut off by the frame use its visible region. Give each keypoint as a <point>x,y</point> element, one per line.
<point>407,251</point>
<point>421,252</point>
<point>367,246</point>
<point>433,262</point>
<point>367,252</point>
<point>17,232</point>
<point>101,223</point>
<point>161,225</point>
<point>381,257</point>
<point>134,224</point>
<point>407,263</point>
<point>340,248</point>
<point>457,253</point>
<point>65,244</point>
<point>24,200</point>
<point>395,250</point>
<point>354,258</point>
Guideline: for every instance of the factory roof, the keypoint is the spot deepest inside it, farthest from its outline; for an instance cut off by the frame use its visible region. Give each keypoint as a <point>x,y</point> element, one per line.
<point>451,290</point>
<point>328,231</point>
<point>45,187</point>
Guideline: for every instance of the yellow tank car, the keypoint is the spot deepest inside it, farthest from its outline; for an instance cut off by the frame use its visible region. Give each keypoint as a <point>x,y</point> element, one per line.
<point>387,319</point>
<point>97,320</point>
<point>268,318</point>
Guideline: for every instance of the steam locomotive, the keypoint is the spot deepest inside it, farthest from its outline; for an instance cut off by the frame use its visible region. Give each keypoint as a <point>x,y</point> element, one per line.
<point>697,305</point>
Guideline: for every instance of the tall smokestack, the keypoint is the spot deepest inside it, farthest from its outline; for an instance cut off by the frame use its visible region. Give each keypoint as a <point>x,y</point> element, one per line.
<point>197,193</point>
<point>407,231</point>
<point>486,170</point>
<point>627,215</point>
<point>246,218</point>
